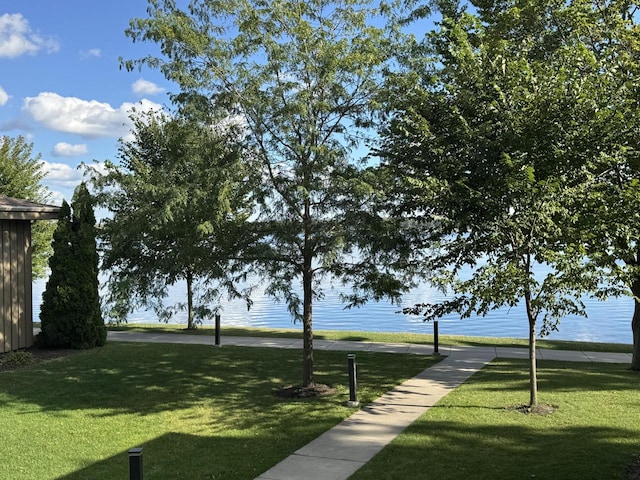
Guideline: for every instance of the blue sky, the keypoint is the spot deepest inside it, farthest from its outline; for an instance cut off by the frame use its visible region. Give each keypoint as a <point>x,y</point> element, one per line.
<point>60,82</point>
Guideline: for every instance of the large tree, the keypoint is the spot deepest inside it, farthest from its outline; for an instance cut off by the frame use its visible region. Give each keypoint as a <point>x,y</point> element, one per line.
<point>610,202</point>
<point>21,174</point>
<point>70,311</point>
<point>178,199</point>
<point>487,145</point>
<point>303,75</point>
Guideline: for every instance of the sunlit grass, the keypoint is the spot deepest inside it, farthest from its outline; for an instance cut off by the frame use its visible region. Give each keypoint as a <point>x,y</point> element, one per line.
<point>198,411</point>
<point>471,433</point>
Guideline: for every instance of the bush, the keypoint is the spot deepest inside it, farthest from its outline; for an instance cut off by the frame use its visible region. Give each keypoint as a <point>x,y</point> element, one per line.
<point>70,311</point>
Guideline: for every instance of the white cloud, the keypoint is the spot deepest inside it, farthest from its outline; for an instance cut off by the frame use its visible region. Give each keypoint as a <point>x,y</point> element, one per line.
<point>63,149</point>
<point>89,119</point>
<point>62,179</point>
<point>4,97</point>
<point>92,52</point>
<point>61,174</point>
<point>56,197</point>
<point>17,38</point>
<point>144,87</point>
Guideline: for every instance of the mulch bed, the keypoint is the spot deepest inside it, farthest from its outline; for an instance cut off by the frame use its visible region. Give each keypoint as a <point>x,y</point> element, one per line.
<point>541,409</point>
<point>297,391</point>
<point>31,356</point>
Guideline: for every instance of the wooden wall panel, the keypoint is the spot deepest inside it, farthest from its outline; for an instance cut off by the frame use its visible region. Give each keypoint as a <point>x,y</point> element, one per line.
<point>4,278</point>
<point>15,299</point>
<point>28,285</point>
<point>16,328</point>
<point>7,314</point>
<point>21,285</point>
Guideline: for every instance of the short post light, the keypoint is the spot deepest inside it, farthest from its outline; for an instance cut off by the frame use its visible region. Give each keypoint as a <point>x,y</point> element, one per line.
<point>353,390</point>
<point>135,463</point>
<point>217,317</point>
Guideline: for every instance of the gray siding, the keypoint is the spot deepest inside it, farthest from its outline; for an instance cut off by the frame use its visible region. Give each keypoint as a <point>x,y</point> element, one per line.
<point>16,329</point>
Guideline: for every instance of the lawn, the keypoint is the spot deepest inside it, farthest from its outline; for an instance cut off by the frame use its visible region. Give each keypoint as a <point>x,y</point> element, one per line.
<point>593,434</point>
<point>199,412</point>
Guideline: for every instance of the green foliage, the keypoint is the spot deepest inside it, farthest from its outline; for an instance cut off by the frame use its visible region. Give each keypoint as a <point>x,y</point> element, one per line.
<point>609,202</point>
<point>21,175</point>
<point>492,145</point>
<point>304,76</point>
<point>70,313</point>
<point>179,200</point>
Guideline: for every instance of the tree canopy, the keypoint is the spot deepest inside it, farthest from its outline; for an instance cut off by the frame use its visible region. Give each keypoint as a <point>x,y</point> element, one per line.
<point>178,199</point>
<point>492,145</point>
<point>608,205</point>
<point>21,176</point>
<point>304,78</point>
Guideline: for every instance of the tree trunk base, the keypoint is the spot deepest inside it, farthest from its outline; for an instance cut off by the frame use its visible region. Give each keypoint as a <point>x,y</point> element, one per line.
<point>297,391</point>
<point>539,409</point>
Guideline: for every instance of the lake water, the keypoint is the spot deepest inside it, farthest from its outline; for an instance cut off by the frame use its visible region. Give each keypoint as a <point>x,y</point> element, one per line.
<point>608,321</point>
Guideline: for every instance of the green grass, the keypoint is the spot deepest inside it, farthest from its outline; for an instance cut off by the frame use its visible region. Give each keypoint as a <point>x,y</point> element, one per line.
<point>384,337</point>
<point>199,412</point>
<point>594,433</point>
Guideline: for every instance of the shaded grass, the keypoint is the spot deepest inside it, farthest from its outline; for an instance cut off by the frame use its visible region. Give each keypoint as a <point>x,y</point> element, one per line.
<point>199,412</point>
<point>470,433</point>
<point>384,337</point>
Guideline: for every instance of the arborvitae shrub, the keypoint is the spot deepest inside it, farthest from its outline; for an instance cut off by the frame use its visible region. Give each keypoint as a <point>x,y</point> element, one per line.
<point>70,311</point>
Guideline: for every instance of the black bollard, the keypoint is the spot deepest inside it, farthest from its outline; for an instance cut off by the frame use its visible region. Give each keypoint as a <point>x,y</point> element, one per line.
<point>435,337</point>
<point>217,329</point>
<point>135,463</point>
<point>353,395</point>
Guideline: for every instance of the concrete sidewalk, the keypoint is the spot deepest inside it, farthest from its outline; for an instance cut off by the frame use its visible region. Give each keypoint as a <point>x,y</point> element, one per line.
<point>348,346</point>
<point>339,452</point>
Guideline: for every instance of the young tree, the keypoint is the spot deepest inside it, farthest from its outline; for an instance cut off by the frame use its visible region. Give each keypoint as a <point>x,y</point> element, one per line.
<point>179,199</point>
<point>487,144</point>
<point>70,311</point>
<point>21,175</point>
<point>303,76</point>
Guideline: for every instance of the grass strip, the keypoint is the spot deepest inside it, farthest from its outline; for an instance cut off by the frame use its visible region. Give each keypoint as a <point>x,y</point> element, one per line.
<point>383,337</point>
<point>199,412</point>
<point>471,433</point>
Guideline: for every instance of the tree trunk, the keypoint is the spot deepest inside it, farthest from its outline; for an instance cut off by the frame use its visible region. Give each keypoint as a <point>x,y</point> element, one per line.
<point>189,278</point>
<point>635,325</point>
<point>307,301</point>
<point>307,322</point>
<point>533,370</point>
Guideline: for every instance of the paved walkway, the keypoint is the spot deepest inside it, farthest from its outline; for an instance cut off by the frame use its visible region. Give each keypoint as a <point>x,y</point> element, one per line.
<point>340,451</point>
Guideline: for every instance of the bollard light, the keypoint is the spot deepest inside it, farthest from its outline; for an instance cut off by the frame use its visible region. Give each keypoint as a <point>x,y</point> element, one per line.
<point>353,394</point>
<point>435,337</point>
<point>217,329</point>
<point>135,463</point>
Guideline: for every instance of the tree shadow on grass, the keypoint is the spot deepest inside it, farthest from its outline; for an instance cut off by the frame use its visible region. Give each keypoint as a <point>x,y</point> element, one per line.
<point>458,451</point>
<point>473,434</point>
<point>143,379</point>
<point>181,456</point>
<point>559,376</point>
<point>200,403</point>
